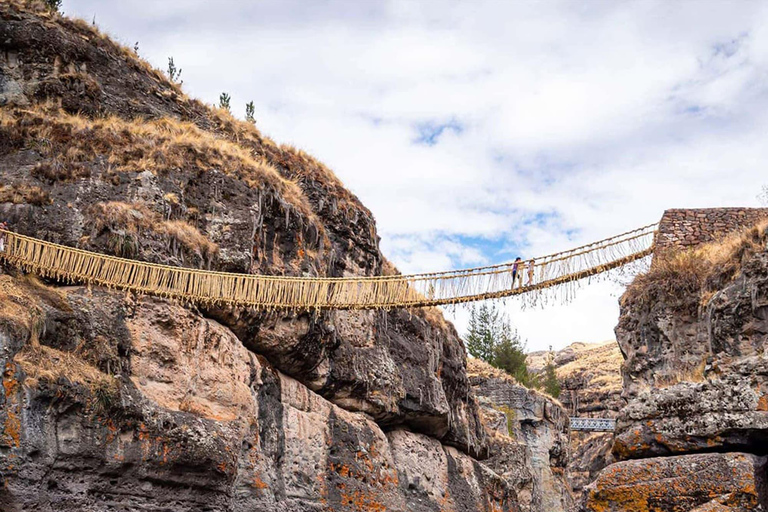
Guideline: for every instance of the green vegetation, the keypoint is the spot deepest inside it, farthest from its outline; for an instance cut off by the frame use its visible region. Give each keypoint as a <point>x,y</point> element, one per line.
<point>511,414</point>
<point>491,338</point>
<point>53,5</point>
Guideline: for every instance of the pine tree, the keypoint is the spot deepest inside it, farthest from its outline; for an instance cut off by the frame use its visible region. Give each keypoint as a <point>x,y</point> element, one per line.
<point>250,110</point>
<point>224,99</point>
<point>551,384</point>
<point>509,355</point>
<point>490,337</point>
<point>479,338</point>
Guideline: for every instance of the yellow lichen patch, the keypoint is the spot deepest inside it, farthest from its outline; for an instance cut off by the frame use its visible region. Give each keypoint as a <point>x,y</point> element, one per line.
<point>359,501</point>
<point>691,373</point>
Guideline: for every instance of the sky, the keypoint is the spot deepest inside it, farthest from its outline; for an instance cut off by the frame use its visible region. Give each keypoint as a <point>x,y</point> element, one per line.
<point>480,131</point>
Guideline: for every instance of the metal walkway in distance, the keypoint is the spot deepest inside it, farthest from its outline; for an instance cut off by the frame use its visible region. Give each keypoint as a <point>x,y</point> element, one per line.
<point>593,424</point>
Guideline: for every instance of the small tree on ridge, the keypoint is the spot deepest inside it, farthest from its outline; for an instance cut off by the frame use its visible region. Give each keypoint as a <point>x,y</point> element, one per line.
<point>250,110</point>
<point>224,100</point>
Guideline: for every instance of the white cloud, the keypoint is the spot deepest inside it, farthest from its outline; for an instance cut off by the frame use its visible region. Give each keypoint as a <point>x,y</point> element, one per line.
<point>568,121</point>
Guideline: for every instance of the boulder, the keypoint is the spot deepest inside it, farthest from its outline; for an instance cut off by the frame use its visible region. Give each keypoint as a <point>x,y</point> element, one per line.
<point>700,482</point>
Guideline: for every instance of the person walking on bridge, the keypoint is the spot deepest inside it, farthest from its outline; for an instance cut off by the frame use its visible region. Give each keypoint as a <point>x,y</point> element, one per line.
<point>531,268</point>
<point>517,271</point>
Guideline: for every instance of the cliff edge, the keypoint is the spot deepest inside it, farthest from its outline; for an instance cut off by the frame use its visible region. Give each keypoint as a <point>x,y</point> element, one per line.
<point>694,432</point>
<point>112,401</point>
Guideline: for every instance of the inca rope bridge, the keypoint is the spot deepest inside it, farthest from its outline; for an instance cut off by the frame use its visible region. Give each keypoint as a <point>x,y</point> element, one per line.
<point>557,272</point>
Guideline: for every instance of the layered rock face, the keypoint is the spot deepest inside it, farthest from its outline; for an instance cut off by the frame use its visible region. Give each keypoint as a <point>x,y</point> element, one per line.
<point>113,403</point>
<point>696,381</point>
<point>117,402</point>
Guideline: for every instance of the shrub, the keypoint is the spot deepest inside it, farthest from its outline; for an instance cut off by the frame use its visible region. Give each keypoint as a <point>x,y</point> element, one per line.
<point>174,74</point>
<point>53,5</point>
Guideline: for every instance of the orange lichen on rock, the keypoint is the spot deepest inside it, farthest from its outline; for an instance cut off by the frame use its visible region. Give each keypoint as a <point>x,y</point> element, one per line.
<point>677,484</point>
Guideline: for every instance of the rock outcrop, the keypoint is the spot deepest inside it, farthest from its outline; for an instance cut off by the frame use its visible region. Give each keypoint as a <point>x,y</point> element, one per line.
<point>701,482</point>
<point>525,421</point>
<point>148,173</point>
<point>116,402</point>
<point>693,332</point>
<point>590,378</point>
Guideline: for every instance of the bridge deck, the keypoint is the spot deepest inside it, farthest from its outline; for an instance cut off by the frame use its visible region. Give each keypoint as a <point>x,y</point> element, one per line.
<point>556,274</point>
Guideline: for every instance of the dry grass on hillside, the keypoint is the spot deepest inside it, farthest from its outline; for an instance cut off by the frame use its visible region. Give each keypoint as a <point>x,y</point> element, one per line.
<point>21,308</point>
<point>41,363</point>
<point>479,368</point>
<point>687,279</point>
<point>299,167</point>
<point>133,218</point>
<point>73,142</point>
<point>600,362</point>
<point>24,194</point>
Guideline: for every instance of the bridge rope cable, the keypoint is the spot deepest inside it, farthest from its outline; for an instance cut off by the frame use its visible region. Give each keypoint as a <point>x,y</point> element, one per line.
<point>534,280</point>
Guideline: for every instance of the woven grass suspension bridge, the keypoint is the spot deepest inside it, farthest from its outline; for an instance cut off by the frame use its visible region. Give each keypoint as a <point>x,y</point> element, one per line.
<point>537,279</point>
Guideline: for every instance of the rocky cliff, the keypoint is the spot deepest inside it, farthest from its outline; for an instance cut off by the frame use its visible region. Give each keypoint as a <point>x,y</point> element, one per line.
<point>117,402</point>
<point>590,378</point>
<point>526,426</point>
<point>693,331</point>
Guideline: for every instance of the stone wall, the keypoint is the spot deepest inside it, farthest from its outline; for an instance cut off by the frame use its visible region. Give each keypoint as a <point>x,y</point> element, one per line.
<point>687,227</point>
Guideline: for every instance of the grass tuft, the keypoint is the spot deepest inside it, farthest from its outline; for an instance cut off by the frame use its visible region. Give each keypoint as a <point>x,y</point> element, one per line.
<point>687,279</point>
<point>24,194</point>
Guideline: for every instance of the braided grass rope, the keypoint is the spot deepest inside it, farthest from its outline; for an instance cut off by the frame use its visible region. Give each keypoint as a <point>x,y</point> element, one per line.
<point>552,272</point>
